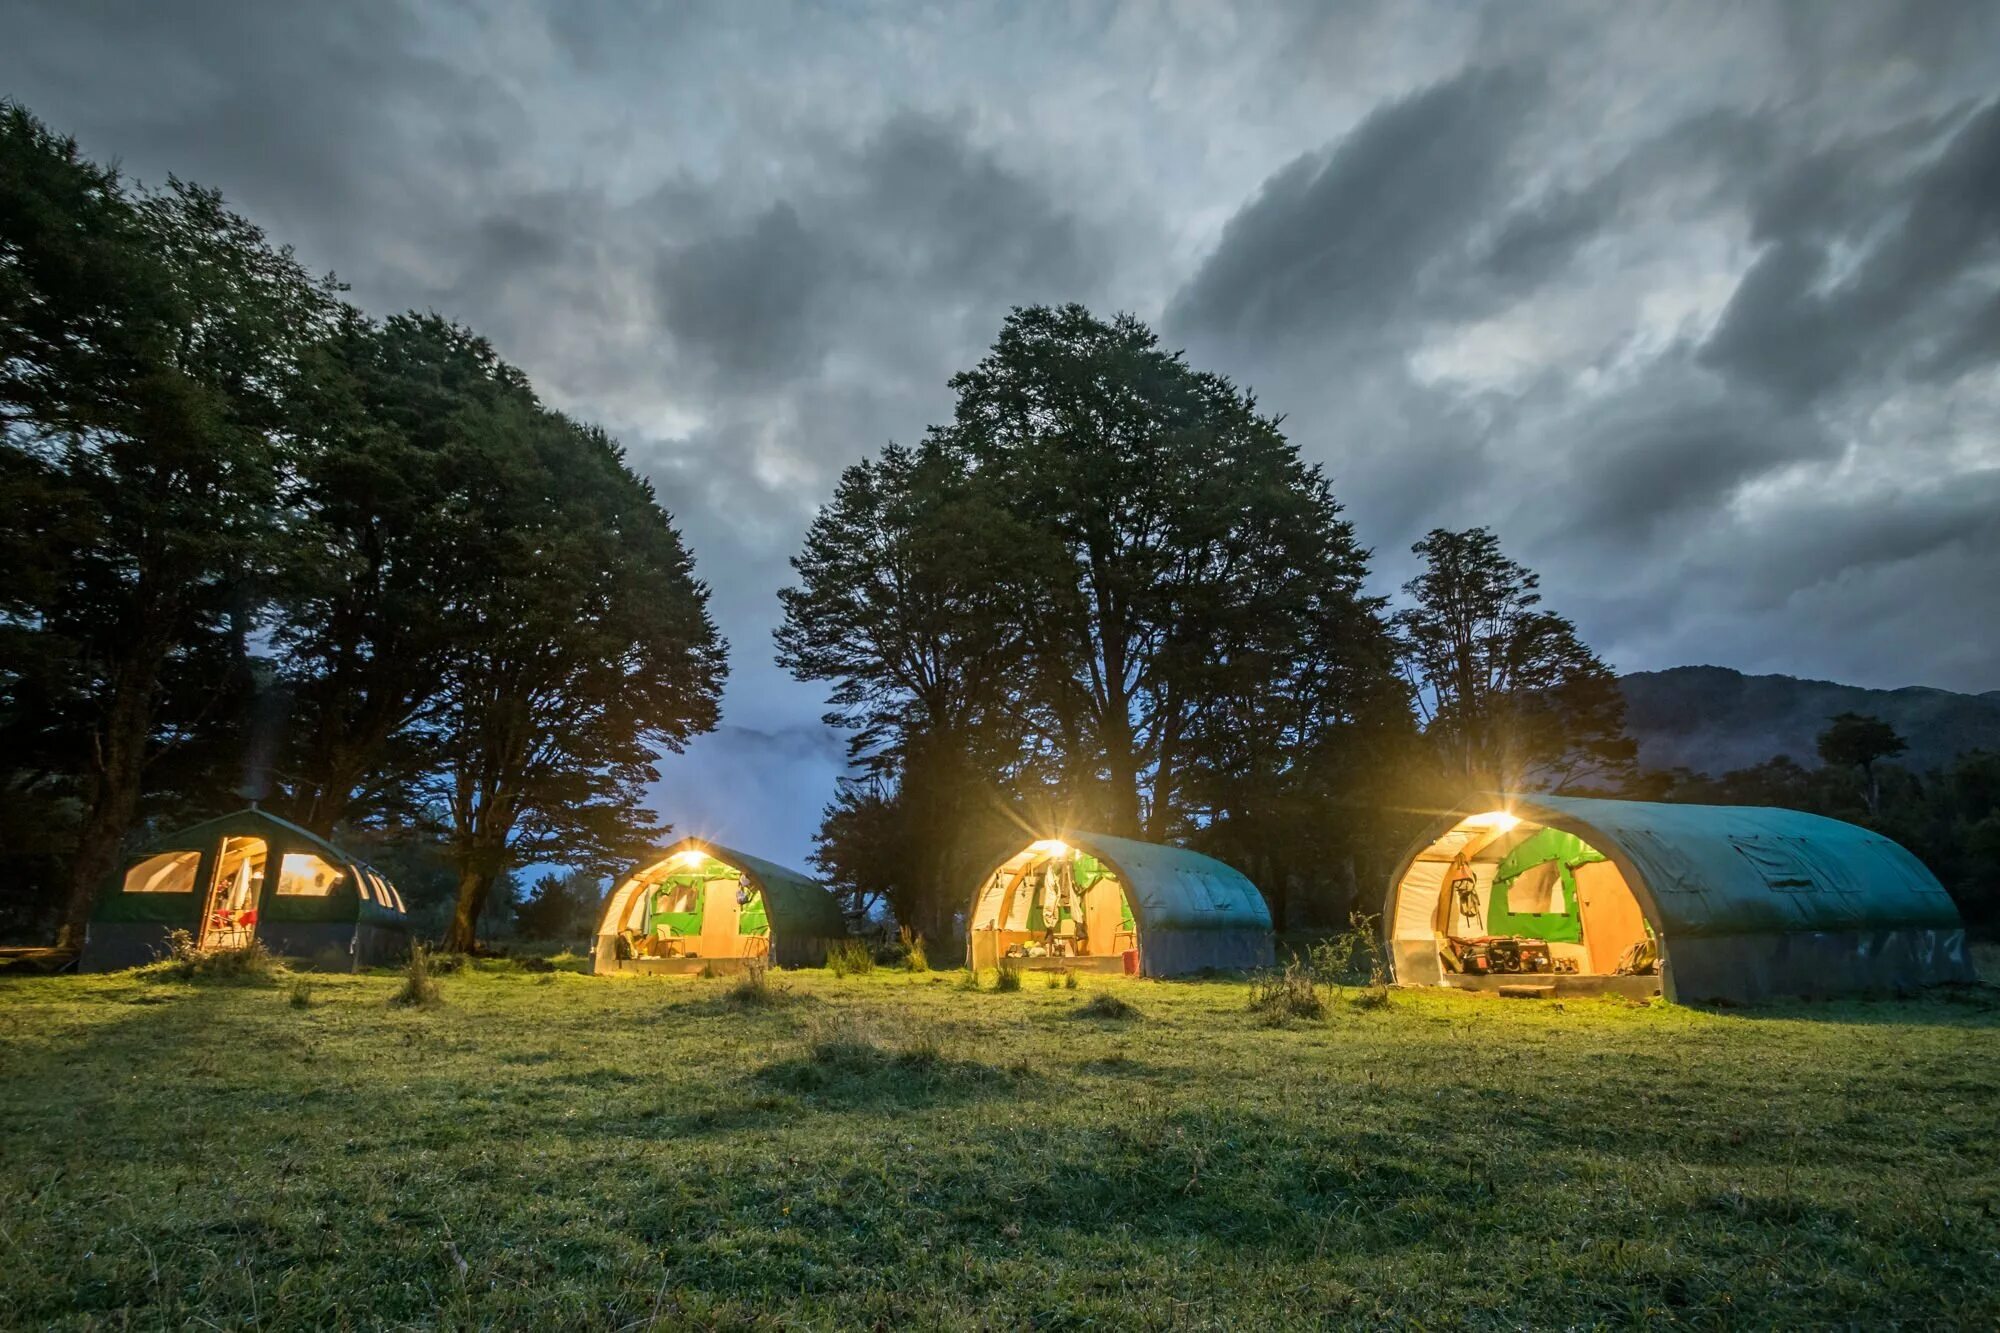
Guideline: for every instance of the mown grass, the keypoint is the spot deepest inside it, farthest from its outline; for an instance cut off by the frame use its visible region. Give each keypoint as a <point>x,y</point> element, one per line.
<point>889,1150</point>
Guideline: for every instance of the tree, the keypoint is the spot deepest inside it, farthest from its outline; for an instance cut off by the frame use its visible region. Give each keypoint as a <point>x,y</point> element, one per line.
<point>580,646</point>
<point>1185,548</point>
<point>1107,594</point>
<point>560,906</point>
<point>1509,697</point>
<point>148,343</point>
<point>390,425</point>
<point>1855,740</point>
<point>904,604</point>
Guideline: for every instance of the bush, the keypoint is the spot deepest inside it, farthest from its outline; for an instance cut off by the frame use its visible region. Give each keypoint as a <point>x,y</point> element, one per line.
<point>1354,958</point>
<point>1286,993</point>
<point>1007,976</point>
<point>849,958</point>
<point>1107,1006</point>
<point>753,990</point>
<point>419,985</point>
<point>187,961</point>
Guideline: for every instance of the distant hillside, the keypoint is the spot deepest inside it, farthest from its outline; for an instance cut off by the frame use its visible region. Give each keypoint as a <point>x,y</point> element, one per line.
<point>1712,719</point>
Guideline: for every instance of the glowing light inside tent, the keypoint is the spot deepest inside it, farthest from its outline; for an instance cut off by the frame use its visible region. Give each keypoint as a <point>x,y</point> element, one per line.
<point>1498,820</point>
<point>1049,847</point>
<point>690,857</point>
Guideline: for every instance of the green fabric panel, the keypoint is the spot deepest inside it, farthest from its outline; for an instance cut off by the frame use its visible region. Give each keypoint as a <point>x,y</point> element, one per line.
<point>753,919</point>
<point>1087,870</point>
<point>1550,844</point>
<point>1124,911</point>
<point>683,923</point>
<point>1566,926</point>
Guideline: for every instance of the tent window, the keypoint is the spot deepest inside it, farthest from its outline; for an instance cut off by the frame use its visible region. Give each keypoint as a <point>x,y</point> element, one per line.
<point>1781,867</point>
<point>169,872</point>
<point>303,875</point>
<point>1536,891</point>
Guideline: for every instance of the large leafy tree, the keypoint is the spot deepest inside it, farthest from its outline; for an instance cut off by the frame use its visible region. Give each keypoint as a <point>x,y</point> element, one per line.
<point>1106,594</point>
<point>393,421</point>
<point>903,604</point>
<point>579,646</point>
<point>1509,696</point>
<point>1858,741</point>
<point>148,341</point>
<point>1188,558</point>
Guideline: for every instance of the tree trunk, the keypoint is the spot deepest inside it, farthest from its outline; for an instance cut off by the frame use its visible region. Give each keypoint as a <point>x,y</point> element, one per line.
<point>474,883</point>
<point>114,803</point>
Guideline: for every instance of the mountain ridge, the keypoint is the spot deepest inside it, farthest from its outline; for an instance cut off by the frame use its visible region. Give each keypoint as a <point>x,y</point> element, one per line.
<point>1713,719</point>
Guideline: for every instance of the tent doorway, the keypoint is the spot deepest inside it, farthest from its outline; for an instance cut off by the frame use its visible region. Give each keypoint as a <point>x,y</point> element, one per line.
<point>1051,905</point>
<point>230,921</point>
<point>1498,899</point>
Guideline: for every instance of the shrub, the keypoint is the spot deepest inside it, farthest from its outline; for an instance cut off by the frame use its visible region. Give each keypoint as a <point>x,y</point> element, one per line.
<point>753,990</point>
<point>419,984</point>
<point>185,960</point>
<point>1354,958</point>
<point>1107,1006</point>
<point>1286,993</point>
<point>1007,976</point>
<point>849,958</point>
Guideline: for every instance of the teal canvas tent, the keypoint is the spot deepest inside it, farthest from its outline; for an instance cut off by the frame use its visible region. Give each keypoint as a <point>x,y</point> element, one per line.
<point>696,905</point>
<point>247,876</point>
<point>1732,903</point>
<point>1095,902</point>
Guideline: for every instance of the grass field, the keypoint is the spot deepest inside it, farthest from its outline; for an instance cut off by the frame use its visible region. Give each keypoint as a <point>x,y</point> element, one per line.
<point>896,1151</point>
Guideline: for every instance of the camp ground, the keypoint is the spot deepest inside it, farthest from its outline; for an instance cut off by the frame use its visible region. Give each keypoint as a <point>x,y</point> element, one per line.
<point>247,876</point>
<point>1091,902</point>
<point>698,906</point>
<point>1693,902</point>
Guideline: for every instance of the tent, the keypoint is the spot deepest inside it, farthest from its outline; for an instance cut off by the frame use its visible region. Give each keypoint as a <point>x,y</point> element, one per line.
<point>1695,902</point>
<point>214,881</point>
<point>698,905</point>
<point>1094,902</point>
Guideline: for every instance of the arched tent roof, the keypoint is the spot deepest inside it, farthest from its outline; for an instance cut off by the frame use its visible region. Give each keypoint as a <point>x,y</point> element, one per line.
<point>1192,911</point>
<point>1755,900</point>
<point>800,907</point>
<point>1172,888</point>
<point>253,822</point>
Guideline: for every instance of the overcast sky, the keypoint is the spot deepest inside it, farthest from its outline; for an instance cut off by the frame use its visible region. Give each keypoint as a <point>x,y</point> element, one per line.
<point>1696,305</point>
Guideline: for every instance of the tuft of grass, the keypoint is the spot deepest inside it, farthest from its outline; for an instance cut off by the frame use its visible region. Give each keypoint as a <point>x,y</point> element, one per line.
<point>1054,980</point>
<point>753,989</point>
<point>1286,993</point>
<point>1007,976</point>
<point>187,961</point>
<point>301,996</point>
<point>849,958</point>
<point>1105,1005</point>
<point>708,972</point>
<point>914,957</point>
<point>969,979</point>
<point>419,986</point>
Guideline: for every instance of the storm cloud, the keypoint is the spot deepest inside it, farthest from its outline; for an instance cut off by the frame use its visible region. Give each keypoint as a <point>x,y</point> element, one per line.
<point>1698,305</point>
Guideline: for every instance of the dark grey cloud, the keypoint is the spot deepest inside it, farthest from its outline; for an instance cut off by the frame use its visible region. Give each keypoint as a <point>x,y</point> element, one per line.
<point>1348,235</point>
<point>1919,274</point>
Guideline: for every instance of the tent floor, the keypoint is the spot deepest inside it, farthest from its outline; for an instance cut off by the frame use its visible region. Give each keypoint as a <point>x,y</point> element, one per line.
<point>1565,983</point>
<point>682,967</point>
<point>1113,965</point>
